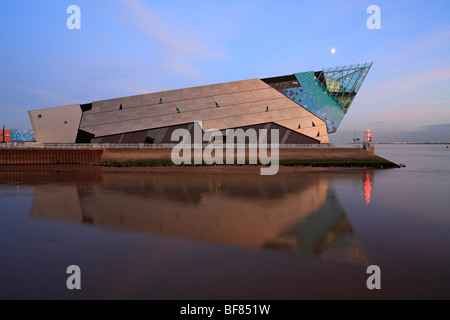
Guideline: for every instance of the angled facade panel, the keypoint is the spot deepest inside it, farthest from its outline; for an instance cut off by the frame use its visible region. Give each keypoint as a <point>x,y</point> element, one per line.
<point>56,125</point>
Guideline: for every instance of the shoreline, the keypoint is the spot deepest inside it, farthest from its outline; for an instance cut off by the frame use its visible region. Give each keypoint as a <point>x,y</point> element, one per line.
<point>376,162</point>
<point>179,168</point>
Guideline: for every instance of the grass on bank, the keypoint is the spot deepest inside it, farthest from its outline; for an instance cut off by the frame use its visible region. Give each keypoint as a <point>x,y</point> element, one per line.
<point>377,163</point>
<point>372,163</point>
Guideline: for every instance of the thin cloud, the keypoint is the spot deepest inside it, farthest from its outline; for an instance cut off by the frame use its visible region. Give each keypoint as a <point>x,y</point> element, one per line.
<point>439,101</point>
<point>177,44</point>
<point>444,127</point>
<point>411,82</point>
<point>39,93</point>
<point>416,46</point>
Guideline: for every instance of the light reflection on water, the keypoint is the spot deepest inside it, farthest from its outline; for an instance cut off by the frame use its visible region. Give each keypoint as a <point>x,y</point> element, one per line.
<point>367,188</point>
<point>178,235</point>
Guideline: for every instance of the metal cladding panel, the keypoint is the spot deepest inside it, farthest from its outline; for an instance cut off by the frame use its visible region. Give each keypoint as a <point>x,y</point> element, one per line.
<point>236,121</point>
<point>111,105</point>
<point>56,125</point>
<point>131,102</point>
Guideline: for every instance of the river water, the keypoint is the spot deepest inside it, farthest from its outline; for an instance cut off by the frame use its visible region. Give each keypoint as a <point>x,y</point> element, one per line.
<point>309,234</point>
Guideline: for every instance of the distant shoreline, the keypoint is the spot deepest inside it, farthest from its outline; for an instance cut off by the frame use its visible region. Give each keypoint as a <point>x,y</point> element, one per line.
<point>440,143</point>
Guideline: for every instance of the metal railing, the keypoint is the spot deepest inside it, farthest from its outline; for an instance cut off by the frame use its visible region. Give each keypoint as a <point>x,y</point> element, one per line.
<point>35,145</point>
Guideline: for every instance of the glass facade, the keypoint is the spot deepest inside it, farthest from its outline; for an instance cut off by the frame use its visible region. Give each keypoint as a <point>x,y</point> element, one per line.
<point>328,93</point>
<point>22,135</point>
<point>344,82</point>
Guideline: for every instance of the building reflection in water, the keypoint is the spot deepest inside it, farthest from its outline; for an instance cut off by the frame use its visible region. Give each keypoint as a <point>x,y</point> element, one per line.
<point>295,213</point>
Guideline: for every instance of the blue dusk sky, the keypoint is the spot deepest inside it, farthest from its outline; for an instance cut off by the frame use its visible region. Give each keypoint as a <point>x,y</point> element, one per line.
<point>128,47</point>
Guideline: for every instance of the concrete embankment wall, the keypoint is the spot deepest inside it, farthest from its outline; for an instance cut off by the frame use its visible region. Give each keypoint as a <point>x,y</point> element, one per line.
<point>90,156</point>
<point>16,156</point>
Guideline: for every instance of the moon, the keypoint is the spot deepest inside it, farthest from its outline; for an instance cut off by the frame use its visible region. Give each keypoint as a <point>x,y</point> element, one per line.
<point>333,51</point>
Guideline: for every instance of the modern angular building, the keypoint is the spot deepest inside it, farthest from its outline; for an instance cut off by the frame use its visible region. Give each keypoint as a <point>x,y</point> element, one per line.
<point>305,107</point>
